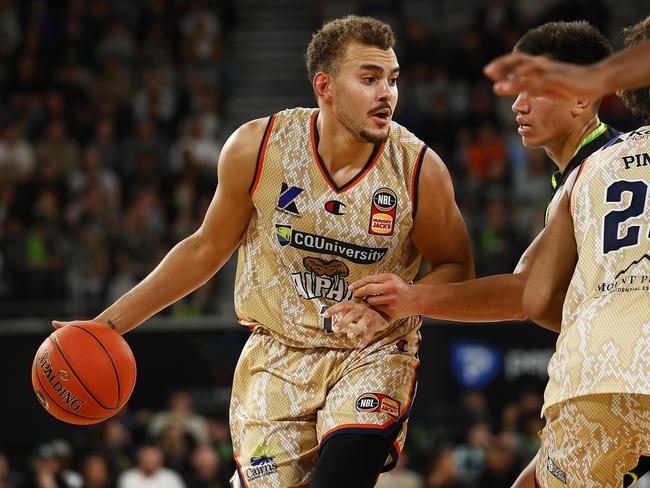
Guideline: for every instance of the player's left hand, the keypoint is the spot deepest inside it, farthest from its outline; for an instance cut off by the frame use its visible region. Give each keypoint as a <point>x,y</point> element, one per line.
<point>358,321</point>
<point>386,293</point>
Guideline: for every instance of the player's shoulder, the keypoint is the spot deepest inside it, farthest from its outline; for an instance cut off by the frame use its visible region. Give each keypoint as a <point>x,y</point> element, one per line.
<point>637,139</point>
<point>403,138</point>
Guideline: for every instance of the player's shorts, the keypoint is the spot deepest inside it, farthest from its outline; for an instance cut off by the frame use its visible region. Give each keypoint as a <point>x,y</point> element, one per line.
<point>593,441</point>
<point>288,401</point>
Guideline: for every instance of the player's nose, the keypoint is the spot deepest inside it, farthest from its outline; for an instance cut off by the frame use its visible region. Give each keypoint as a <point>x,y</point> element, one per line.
<point>521,104</point>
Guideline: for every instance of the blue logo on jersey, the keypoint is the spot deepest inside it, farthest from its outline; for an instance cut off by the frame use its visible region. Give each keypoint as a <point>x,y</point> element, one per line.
<point>474,364</point>
<point>287,196</point>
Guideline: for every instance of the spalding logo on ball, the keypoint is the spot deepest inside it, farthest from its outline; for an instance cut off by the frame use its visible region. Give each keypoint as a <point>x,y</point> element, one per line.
<point>83,373</point>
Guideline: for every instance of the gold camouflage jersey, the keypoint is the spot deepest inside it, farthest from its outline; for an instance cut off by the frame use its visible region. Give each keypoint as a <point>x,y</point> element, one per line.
<point>309,238</point>
<point>604,345</point>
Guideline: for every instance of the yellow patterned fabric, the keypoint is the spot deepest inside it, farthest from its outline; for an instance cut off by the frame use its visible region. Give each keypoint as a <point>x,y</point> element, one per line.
<point>604,345</point>
<point>309,238</point>
<point>593,440</point>
<point>286,401</point>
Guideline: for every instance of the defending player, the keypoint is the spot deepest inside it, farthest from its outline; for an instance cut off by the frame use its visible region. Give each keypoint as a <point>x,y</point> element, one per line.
<point>315,199</point>
<point>592,274</point>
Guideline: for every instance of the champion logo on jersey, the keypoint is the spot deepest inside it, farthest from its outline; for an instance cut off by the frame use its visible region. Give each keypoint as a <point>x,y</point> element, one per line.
<point>287,196</point>
<point>335,207</point>
<point>382,212</point>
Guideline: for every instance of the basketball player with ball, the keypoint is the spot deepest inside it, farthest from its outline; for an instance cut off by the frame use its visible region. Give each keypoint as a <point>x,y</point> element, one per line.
<point>315,199</point>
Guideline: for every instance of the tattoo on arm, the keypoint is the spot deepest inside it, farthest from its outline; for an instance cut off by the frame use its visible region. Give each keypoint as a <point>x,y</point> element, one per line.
<point>110,323</point>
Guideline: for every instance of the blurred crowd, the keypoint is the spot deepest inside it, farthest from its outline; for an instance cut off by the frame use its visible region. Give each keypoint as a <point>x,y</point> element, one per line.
<point>110,131</point>
<point>112,120</point>
<point>181,447</point>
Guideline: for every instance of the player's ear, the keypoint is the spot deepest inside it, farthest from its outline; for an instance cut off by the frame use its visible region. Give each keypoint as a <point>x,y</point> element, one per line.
<point>322,85</point>
<point>581,105</point>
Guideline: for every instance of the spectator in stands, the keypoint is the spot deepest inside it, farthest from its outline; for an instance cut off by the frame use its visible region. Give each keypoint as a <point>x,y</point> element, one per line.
<point>401,476</point>
<point>17,160</point>
<point>149,471</point>
<point>95,472</point>
<point>205,469</point>
<point>180,411</point>
<point>442,470</point>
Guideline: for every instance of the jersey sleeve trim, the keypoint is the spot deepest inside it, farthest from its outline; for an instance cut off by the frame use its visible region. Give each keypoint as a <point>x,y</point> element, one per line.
<point>582,166</point>
<point>415,179</point>
<point>260,155</point>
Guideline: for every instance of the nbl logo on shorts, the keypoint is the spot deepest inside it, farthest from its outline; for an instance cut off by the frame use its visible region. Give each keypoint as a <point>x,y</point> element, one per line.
<point>378,402</point>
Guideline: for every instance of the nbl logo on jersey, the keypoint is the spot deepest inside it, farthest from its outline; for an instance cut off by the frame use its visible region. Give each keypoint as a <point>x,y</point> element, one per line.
<point>382,212</point>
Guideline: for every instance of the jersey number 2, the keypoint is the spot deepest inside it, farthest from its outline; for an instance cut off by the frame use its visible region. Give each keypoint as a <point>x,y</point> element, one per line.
<point>611,239</point>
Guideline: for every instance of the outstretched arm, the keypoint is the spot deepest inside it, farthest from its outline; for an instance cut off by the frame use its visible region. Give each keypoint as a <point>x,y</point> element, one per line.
<point>629,68</point>
<point>492,298</point>
<point>440,235</point>
<point>553,268</point>
<point>195,259</point>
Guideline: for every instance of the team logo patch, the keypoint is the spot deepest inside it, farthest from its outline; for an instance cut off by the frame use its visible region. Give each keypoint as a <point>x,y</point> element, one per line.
<point>323,279</point>
<point>555,471</point>
<point>335,207</point>
<point>286,201</point>
<point>378,402</point>
<point>382,212</point>
<point>262,463</point>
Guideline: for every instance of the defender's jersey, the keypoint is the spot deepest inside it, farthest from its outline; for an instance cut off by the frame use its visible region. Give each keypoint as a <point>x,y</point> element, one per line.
<point>309,238</point>
<point>604,345</point>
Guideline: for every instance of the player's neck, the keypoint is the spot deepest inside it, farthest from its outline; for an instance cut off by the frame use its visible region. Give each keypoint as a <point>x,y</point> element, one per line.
<point>562,151</point>
<point>337,147</point>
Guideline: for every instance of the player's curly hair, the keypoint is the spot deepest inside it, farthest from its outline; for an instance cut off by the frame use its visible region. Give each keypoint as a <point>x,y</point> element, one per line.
<point>327,45</point>
<point>638,100</point>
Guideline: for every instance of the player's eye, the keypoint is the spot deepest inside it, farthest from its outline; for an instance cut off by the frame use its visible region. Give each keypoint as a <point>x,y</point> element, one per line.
<point>369,80</point>
<point>392,81</point>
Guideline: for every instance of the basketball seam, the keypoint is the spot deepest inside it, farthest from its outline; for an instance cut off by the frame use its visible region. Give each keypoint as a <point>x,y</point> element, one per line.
<point>43,390</point>
<point>56,343</point>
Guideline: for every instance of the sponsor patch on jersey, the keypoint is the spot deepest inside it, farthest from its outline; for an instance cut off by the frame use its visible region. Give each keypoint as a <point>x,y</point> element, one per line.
<point>335,207</point>
<point>378,402</point>
<point>262,463</point>
<point>634,278</point>
<point>288,236</point>
<point>382,212</point>
<point>286,200</point>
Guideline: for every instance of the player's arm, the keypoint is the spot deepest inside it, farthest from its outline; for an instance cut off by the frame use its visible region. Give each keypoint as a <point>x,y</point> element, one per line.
<point>491,298</point>
<point>629,68</point>
<point>439,230</point>
<point>195,259</point>
<point>552,269</point>
<point>440,235</point>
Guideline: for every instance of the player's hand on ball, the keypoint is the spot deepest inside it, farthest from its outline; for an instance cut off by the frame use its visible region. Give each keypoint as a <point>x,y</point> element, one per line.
<point>357,320</point>
<point>386,293</point>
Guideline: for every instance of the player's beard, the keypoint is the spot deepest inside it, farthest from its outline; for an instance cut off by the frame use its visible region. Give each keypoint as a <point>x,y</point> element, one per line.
<point>364,135</point>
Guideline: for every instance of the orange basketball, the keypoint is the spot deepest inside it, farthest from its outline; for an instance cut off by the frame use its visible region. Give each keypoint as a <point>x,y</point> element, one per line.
<point>84,373</point>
